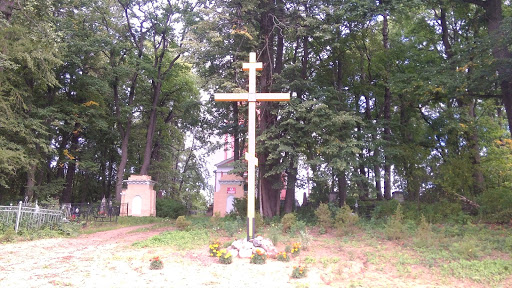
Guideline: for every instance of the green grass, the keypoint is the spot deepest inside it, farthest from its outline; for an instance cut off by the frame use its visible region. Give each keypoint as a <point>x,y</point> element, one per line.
<point>93,226</point>
<point>486,271</point>
<point>181,240</point>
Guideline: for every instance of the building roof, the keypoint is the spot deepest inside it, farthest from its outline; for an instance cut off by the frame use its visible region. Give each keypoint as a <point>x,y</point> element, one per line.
<point>225,163</point>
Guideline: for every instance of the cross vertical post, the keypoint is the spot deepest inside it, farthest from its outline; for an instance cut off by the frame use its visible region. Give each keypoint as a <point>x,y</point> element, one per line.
<point>250,156</point>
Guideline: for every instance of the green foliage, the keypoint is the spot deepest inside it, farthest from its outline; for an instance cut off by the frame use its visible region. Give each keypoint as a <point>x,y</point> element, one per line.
<point>288,221</point>
<point>170,208</point>
<point>182,223</point>
<point>274,233</point>
<point>441,211</point>
<point>240,207</point>
<point>395,229</point>
<point>283,257</point>
<point>384,209</point>
<point>213,248</point>
<point>487,271</point>
<point>225,257</point>
<point>258,257</point>
<point>181,240</point>
<point>324,216</point>
<point>299,271</point>
<point>260,223</point>
<point>305,238</point>
<point>306,214</point>
<point>8,235</point>
<point>156,263</point>
<point>495,204</point>
<point>467,249</point>
<point>232,227</point>
<point>424,236</point>
<point>345,220</point>
<point>298,227</point>
<point>215,220</point>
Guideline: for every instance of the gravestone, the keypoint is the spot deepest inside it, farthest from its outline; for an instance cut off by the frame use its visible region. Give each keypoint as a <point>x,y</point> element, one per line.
<point>139,195</point>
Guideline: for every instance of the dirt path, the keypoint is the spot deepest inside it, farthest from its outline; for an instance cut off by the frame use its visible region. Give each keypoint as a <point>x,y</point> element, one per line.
<point>107,259</point>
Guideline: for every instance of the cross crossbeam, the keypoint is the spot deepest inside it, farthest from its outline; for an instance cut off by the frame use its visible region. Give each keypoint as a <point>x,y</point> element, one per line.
<point>252,97</point>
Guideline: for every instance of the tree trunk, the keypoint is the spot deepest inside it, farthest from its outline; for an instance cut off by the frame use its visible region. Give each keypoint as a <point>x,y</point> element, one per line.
<point>291,180</point>
<point>342,188</point>
<point>268,118</point>
<point>31,180</point>
<point>70,175</point>
<point>386,112</point>
<point>124,130</point>
<point>236,132</point>
<point>478,177</point>
<point>494,15</point>
<point>150,135</point>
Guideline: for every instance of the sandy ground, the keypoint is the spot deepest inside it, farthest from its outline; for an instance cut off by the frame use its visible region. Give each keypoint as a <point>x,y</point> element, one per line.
<point>107,259</point>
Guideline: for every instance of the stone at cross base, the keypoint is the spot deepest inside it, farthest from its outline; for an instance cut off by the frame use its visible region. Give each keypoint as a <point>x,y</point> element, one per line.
<point>139,198</point>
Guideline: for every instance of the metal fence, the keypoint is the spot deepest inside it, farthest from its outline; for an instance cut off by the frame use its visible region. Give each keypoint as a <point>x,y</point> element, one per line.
<point>29,217</point>
<point>104,211</point>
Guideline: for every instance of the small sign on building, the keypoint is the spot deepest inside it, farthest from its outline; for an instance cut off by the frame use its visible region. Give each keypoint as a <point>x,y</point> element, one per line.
<point>231,190</point>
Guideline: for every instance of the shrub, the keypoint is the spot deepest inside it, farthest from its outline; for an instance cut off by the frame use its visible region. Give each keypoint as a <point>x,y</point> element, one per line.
<point>283,257</point>
<point>307,214</point>
<point>297,227</point>
<point>225,257</point>
<point>299,271</point>
<point>182,223</point>
<point>258,257</point>
<point>395,229</point>
<point>215,220</point>
<point>170,208</point>
<point>156,263</point>
<point>231,227</point>
<point>305,239</point>
<point>384,209</point>
<point>296,248</point>
<point>258,219</point>
<point>424,236</point>
<point>274,233</point>
<point>288,221</point>
<point>240,206</point>
<point>213,248</point>
<point>323,215</point>
<point>345,220</point>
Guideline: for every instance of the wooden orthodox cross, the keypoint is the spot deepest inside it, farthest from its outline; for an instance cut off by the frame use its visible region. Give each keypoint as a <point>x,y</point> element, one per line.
<point>250,156</point>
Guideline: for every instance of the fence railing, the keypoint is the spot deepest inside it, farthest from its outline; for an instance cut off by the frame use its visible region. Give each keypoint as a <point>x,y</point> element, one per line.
<point>91,211</point>
<point>29,217</point>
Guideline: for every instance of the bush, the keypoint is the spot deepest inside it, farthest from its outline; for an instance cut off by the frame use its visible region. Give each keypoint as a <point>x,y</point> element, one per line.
<point>288,221</point>
<point>299,271</point>
<point>495,205</point>
<point>384,209</point>
<point>182,223</point>
<point>424,236</point>
<point>395,229</point>
<point>297,227</point>
<point>305,238</point>
<point>225,257</point>
<point>323,215</point>
<point>306,214</point>
<point>240,207</point>
<point>258,257</point>
<point>345,220</point>
<point>258,219</point>
<point>170,208</point>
